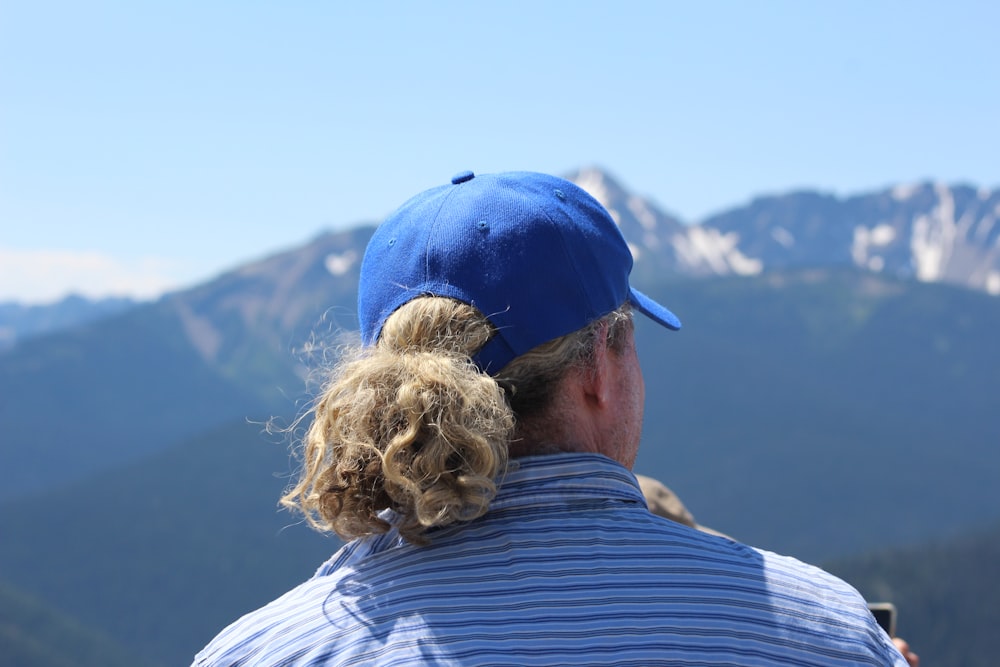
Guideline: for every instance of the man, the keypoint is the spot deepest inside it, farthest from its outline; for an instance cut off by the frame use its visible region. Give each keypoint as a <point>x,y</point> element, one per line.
<point>476,453</point>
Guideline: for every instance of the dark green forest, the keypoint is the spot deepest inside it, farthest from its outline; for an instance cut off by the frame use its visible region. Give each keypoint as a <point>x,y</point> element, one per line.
<point>947,595</point>
<point>33,635</point>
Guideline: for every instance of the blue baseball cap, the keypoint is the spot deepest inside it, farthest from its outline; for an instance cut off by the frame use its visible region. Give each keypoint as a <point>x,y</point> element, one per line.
<point>537,255</point>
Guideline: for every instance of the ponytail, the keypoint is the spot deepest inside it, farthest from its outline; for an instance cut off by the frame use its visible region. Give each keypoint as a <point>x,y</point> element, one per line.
<point>409,425</point>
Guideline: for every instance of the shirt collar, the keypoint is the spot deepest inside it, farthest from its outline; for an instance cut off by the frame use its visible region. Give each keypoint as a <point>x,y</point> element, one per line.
<point>531,481</point>
<point>558,478</point>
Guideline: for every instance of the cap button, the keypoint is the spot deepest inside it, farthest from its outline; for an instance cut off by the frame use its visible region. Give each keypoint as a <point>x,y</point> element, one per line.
<point>462,177</point>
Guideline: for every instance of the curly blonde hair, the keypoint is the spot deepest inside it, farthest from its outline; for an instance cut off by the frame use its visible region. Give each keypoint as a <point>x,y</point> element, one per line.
<point>413,426</point>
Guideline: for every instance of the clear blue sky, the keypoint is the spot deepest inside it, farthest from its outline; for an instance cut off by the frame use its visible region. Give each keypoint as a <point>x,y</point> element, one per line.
<point>147,146</point>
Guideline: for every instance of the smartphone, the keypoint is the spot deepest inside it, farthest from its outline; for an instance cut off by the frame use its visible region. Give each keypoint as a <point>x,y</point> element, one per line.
<point>885,615</point>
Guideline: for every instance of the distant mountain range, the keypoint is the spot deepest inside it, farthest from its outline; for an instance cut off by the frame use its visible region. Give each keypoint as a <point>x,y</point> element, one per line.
<point>812,405</point>
<point>928,232</point>
<point>19,321</point>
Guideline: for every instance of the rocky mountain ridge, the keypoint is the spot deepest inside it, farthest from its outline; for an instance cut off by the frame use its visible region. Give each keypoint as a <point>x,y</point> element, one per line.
<point>929,232</point>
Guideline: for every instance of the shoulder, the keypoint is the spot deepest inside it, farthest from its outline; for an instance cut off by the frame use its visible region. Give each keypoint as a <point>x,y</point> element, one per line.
<point>827,606</point>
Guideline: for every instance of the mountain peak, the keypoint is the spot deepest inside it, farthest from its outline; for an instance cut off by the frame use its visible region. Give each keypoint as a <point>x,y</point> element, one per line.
<point>599,183</point>
<point>648,230</point>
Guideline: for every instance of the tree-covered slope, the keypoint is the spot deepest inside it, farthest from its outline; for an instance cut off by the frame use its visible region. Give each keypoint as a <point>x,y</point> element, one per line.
<point>163,553</point>
<point>790,406</point>
<point>947,594</point>
<point>34,635</point>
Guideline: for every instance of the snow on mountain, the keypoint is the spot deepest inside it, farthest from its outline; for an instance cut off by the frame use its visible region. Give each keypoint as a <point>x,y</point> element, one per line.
<point>660,241</point>
<point>647,229</point>
<point>707,251</point>
<point>932,232</point>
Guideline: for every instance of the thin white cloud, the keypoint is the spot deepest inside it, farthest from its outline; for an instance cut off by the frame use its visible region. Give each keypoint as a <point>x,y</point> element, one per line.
<point>42,276</point>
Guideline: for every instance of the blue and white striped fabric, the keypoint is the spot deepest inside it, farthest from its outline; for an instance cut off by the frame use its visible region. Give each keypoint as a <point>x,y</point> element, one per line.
<point>567,568</point>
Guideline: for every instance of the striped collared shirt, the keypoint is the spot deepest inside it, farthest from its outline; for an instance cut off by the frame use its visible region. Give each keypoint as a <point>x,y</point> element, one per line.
<point>567,568</point>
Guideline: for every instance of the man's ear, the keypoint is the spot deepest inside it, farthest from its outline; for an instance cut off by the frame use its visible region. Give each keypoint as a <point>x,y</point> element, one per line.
<point>596,380</point>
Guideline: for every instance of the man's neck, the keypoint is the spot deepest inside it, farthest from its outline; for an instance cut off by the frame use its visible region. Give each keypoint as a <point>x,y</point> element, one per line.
<point>519,448</point>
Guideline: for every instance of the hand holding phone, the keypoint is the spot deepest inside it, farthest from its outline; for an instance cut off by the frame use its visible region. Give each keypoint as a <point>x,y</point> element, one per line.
<point>885,615</point>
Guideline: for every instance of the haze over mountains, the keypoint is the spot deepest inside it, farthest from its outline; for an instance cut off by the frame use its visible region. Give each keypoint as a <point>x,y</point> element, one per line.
<point>833,392</point>
<point>19,321</point>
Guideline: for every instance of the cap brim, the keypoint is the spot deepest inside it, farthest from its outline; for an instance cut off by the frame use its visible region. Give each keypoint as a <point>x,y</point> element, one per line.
<point>653,310</point>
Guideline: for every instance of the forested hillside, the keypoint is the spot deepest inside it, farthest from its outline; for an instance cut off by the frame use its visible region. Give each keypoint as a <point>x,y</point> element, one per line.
<point>34,635</point>
<point>947,595</point>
